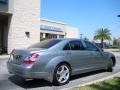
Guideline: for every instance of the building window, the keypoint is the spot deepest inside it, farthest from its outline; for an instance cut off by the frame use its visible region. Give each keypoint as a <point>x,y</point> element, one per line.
<point>42,36</point>
<point>49,36</point>
<point>61,36</point>
<point>27,34</point>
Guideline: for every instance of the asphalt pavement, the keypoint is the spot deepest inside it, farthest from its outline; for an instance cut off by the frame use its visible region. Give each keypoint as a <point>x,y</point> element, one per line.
<point>11,82</point>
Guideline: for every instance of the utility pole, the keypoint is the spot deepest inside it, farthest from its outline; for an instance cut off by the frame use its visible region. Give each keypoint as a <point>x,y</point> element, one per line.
<point>81,36</point>
<point>118,16</point>
<point>65,35</point>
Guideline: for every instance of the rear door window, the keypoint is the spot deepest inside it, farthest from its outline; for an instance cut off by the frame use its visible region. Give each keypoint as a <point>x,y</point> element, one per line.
<point>74,45</point>
<point>90,46</point>
<point>67,47</point>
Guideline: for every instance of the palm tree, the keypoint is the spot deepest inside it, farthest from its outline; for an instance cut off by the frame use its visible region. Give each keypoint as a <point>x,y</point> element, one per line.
<point>102,34</point>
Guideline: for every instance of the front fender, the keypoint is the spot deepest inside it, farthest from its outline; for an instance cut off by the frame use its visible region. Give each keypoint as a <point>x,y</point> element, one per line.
<point>109,56</point>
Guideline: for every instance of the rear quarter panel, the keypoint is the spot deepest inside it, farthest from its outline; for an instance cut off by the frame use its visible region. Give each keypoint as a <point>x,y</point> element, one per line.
<point>48,62</point>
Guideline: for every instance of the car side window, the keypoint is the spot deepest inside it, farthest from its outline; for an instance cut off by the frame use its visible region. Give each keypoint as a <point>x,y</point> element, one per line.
<point>66,47</point>
<point>90,46</point>
<point>76,45</point>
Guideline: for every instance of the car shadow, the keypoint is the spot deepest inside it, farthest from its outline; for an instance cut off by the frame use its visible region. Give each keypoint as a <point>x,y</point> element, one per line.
<point>27,84</point>
<point>86,74</point>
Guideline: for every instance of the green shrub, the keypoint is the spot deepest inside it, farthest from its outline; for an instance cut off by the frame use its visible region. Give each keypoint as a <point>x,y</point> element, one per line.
<point>115,47</point>
<point>42,39</point>
<point>109,84</point>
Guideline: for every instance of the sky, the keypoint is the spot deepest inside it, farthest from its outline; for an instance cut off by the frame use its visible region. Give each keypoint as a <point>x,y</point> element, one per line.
<point>86,15</point>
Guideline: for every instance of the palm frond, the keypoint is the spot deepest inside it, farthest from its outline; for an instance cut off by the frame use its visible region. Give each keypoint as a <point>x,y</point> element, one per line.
<point>102,34</point>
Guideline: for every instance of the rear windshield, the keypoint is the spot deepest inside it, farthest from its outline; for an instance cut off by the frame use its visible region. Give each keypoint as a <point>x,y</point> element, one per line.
<point>45,44</point>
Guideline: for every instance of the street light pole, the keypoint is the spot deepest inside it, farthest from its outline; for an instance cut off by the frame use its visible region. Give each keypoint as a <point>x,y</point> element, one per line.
<point>118,16</point>
<point>81,36</point>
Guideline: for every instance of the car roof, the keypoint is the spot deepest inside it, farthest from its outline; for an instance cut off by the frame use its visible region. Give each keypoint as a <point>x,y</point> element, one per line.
<point>69,39</point>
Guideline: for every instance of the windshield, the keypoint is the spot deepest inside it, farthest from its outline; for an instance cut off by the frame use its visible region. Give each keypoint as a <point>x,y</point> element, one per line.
<point>45,44</point>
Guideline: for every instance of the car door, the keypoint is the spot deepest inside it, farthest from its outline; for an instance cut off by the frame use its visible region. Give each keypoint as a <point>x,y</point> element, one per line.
<point>98,59</point>
<point>80,58</point>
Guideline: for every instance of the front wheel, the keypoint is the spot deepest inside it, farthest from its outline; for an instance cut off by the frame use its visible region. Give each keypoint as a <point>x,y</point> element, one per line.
<point>110,67</point>
<point>61,74</point>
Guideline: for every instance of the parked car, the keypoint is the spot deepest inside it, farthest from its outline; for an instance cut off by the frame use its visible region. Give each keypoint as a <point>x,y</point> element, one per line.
<point>56,60</point>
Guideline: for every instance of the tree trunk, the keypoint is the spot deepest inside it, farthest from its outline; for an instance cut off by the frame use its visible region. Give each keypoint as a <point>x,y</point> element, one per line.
<point>102,43</point>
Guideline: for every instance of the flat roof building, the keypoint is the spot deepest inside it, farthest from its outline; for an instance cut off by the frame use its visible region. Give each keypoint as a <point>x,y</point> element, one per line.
<point>21,26</point>
<point>55,29</point>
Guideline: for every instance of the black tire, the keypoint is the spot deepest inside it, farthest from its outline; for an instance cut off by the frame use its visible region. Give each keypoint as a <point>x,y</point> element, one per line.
<point>110,68</point>
<point>55,78</point>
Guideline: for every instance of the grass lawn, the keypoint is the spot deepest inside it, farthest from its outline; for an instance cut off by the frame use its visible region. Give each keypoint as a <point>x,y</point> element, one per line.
<point>110,84</point>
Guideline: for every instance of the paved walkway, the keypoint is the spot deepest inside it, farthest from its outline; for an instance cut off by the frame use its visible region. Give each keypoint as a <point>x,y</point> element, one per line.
<point>116,52</point>
<point>112,50</point>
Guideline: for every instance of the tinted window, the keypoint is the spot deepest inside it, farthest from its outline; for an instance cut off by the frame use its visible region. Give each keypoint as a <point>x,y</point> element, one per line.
<point>76,45</point>
<point>90,46</point>
<point>67,47</point>
<point>45,44</point>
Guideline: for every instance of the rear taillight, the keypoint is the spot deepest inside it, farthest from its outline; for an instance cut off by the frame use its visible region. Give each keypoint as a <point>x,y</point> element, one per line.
<point>31,58</point>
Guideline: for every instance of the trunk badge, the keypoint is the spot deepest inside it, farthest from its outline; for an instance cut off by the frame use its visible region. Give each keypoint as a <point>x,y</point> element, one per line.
<point>18,57</point>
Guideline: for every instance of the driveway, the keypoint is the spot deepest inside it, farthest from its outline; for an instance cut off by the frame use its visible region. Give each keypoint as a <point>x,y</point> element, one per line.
<point>11,82</point>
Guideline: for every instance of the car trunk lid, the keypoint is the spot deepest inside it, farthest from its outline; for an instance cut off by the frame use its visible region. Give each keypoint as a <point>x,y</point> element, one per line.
<point>18,55</point>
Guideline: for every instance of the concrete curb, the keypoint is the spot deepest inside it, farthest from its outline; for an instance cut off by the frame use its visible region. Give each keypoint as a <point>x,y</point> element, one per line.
<point>4,56</point>
<point>95,81</point>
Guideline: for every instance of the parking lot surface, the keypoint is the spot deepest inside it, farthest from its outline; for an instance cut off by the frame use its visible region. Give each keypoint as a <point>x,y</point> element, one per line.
<point>11,82</point>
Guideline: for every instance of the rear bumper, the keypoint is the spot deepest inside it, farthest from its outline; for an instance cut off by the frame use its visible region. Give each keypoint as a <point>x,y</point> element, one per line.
<point>25,71</point>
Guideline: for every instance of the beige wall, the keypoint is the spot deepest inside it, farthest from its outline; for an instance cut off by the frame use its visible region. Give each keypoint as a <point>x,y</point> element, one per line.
<point>25,18</point>
<point>72,32</point>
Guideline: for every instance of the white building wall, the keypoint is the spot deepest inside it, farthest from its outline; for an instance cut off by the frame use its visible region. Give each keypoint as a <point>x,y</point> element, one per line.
<point>25,18</point>
<point>53,23</point>
<point>72,32</point>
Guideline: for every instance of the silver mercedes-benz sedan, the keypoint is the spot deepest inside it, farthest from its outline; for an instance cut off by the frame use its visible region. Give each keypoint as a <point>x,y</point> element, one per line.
<point>56,60</point>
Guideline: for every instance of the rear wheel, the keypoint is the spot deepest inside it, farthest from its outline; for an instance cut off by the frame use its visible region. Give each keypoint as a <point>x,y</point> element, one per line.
<point>61,74</point>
